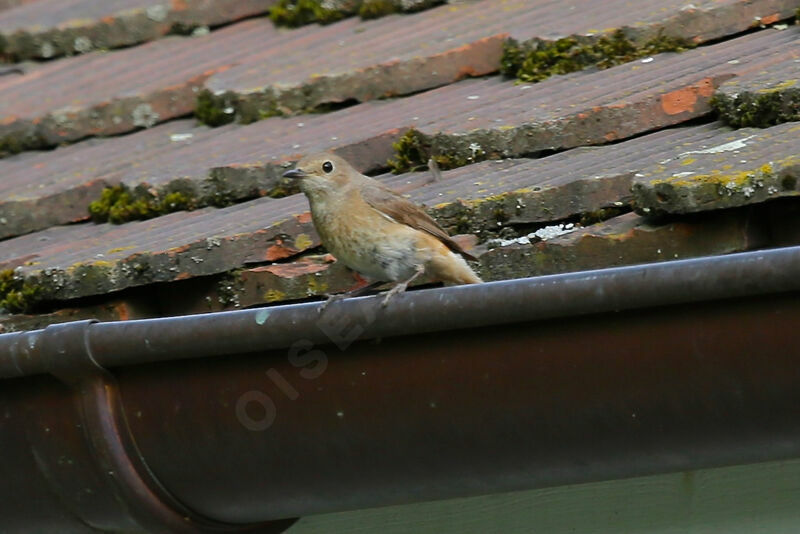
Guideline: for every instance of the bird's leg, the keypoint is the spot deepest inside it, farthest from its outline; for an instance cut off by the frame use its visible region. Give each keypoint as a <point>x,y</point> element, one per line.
<point>347,294</point>
<point>401,286</point>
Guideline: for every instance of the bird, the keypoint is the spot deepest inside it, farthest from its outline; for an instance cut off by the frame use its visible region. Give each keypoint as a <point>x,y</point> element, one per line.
<point>374,231</point>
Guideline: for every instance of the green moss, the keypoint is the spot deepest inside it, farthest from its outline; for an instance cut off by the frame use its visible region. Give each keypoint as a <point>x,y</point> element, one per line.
<point>265,113</point>
<point>92,277</point>
<point>129,209</point>
<point>485,217</point>
<point>536,60</point>
<point>663,43</point>
<point>283,189</point>
<point>373,9</point>
<point>217,191</point>
<point>14,143</point>
<point>255,107</point>
<point>513,57</point>
<point>176,201</point>
<point>229,288</point>
<point>412,6</point>
<point>294,13</point>
<point>214,110</point>
<point>499,215</point>
<point>10,145</point>
<point>119,204</point>
<point>459,218</point>
<point>454,161</point>
<point>603,214</point>
<point>16,295</point>
<point>413,150</point>
<point>462,224</point>
<point>25,46</point>
<point>411,153</point>
<point>758,110</point>
<point>180,28</point>
<point>3,47</point>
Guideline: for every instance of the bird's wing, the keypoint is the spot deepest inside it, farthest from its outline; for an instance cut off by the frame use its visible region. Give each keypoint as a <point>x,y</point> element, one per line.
<point>406,212</point>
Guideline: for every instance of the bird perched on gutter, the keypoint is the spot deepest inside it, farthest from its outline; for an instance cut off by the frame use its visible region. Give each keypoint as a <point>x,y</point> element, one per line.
<point>375,231</point>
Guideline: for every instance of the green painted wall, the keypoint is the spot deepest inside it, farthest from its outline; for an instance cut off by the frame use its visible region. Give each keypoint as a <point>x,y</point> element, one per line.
<point>749,499</point>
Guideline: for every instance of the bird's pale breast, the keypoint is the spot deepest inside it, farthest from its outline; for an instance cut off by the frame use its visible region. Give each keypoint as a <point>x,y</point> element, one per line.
<point>369,242</point>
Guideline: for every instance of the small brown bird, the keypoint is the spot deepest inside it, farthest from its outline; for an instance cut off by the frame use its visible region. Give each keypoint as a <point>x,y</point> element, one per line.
<point>375,231</point>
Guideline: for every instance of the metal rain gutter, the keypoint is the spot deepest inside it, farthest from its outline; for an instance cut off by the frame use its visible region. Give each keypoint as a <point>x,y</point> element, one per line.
<point>240,421</point>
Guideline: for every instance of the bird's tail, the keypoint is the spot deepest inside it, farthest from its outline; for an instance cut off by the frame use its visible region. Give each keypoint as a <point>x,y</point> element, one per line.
<point>451,268</point>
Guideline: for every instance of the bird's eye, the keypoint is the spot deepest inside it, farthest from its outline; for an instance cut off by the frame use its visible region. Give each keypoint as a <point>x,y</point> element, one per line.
<point>327,167</point>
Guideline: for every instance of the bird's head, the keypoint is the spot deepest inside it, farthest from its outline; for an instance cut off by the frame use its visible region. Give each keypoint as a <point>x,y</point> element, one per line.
<point>322,174</point>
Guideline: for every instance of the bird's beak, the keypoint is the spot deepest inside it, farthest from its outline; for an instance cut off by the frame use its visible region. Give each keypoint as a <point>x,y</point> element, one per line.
<point>295,173</point>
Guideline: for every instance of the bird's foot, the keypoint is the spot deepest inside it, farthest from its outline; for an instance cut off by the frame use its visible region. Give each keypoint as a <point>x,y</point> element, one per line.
<point>399,288</point>
<point>330,300</point>
<point>352,293</point>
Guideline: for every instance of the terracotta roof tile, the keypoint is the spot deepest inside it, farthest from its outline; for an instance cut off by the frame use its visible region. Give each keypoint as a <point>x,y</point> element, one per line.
<point>404,54</point>
<point>624,240</point>
<point>8,4</point>
<point>111,93</point>
<point>51,28</point>
<point>510,203</point>
<point>116,92</point>
<point>761,98</point>
<point>90,259</point>
<point>746,166</point>
<point>492,116</point>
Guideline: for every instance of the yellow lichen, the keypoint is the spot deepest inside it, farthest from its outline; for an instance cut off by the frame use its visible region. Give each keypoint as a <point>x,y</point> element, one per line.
<point>273,295</point>
<point>103,263</point>
<point>302,242</point>
<point>730,180</point>
<point>725,184</point>
<point>316,286</point>
<point>118,249</point>
<point>787,84</point>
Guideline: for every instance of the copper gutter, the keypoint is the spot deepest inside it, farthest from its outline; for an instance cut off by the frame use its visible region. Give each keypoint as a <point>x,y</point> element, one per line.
<point>222,422</point>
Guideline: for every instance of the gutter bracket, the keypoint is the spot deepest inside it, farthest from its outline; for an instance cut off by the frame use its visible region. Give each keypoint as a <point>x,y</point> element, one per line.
<point>130,487</point>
